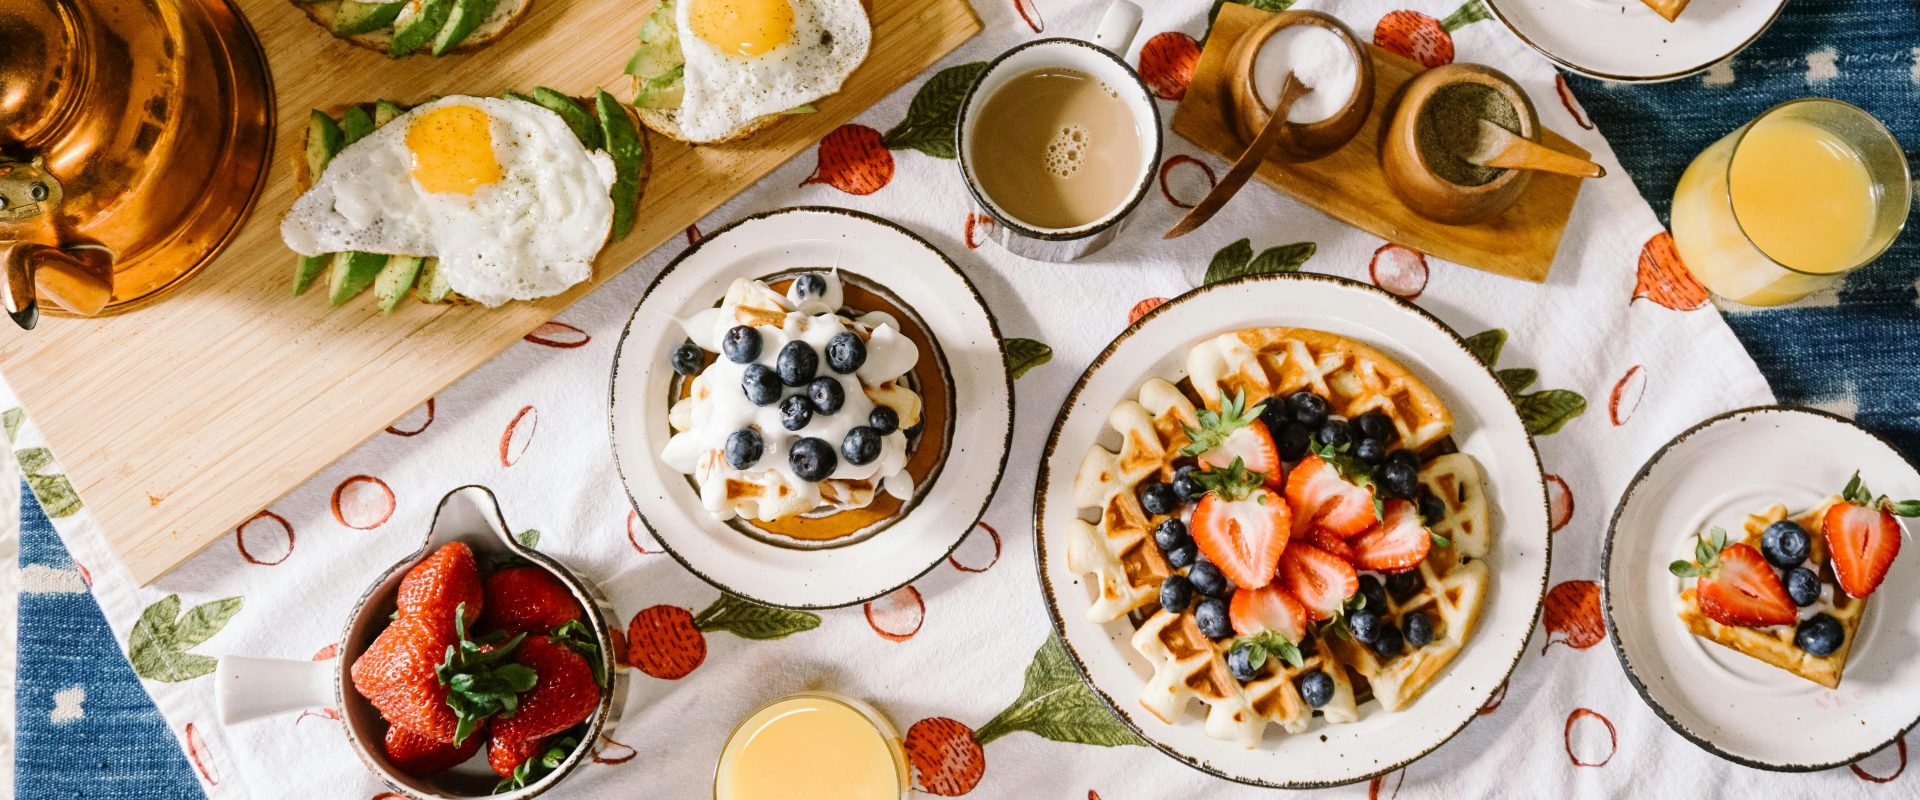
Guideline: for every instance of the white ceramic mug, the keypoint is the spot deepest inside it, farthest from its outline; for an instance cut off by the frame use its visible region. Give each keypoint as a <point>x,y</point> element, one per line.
<point>1101,56</point>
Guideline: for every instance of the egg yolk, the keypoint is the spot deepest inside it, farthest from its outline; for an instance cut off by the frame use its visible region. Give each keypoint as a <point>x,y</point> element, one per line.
<point>744,27</point>
<point>452,150</point>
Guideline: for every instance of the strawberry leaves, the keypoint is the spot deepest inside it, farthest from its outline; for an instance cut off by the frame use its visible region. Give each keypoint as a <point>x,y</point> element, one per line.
<point>1706,555</point>
<point>161,639</point>
<point>1054,703</point>
<point>1025,354</point>
<point>533,769</point>
<point>1232,483</point>
<point>1542,412</point>
<point>750,620</point>
<point>1857,493</point>
<point>576,636</point>
<point>1216,426</point>
<point>1268,643</point>
<point>934,112</point>
<point>1238,260</point>
<point>479,684</point>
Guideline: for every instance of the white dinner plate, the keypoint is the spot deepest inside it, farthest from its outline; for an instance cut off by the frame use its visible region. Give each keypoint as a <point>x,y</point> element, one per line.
<point>1486,426</point>
<point>875,253</point>
<point>1624,40</point>
<point>1732,705</point>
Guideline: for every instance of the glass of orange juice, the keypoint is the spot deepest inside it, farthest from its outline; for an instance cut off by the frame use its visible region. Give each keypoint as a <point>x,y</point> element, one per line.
<point>813,746</point>
<point>1787,204</point>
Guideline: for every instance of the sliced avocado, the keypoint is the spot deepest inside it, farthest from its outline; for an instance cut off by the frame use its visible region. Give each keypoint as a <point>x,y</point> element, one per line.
<point>324,140</point>
<point>384,111</point>
<point>584,127</point>
<point>391,285</point>
<point>663,92</point>
<point>309,268</point>
<point>356,124</point>
<point>629,153</point>
<point>509,94</point>
<point>412,33</point>
<point>465,19</point>
<point>658,62</point>
<point>803,108</point>
<point>355,17</point>
<point>432,286</point>
<point>352,273</point>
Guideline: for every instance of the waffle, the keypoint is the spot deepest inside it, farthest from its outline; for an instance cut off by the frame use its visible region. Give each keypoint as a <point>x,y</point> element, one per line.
<point>1125,568</point>
<point>1774,645</point>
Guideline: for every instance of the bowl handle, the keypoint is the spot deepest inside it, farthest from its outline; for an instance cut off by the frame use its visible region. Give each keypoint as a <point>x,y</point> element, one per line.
<point>247,688</point>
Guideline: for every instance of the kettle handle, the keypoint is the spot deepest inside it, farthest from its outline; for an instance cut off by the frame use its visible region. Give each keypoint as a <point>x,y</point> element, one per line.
<point>79,279</point>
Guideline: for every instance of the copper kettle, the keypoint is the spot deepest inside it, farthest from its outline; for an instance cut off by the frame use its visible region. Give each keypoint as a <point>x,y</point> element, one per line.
<point>134,137</point>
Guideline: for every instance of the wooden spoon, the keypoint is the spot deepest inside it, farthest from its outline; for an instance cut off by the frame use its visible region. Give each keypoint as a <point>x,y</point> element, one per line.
<point>1292,89</point>
<point>1499,147</point>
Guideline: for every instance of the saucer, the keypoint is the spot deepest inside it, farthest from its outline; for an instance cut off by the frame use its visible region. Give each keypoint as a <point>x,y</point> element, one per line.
<point>1624,40</point>
<point>1729,704</point>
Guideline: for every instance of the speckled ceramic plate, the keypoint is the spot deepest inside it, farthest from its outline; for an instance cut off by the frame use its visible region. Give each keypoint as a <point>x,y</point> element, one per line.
<point>1624,40</point>
<point>871,252</point>
<point>1728,703</point>
<point>1486,426</point>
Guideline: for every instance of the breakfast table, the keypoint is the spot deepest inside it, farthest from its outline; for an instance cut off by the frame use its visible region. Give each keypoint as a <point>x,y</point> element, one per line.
<point>1609,357</point>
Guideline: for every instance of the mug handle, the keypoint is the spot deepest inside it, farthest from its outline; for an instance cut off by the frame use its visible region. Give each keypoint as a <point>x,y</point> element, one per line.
<point>1117,27</point>
<point>247,688</point>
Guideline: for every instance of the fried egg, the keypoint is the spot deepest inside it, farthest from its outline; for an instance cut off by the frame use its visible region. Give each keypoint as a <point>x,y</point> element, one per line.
<point>749,58</point>
<point>500,191</point>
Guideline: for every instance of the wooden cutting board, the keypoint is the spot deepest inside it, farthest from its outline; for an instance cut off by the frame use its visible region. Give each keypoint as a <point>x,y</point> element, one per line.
<point>179,420</point>
<point>1349,184</point>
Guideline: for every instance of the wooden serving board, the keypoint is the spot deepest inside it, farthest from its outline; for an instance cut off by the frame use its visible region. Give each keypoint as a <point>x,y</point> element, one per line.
<point>1350,186</point>
<point>179,420</point>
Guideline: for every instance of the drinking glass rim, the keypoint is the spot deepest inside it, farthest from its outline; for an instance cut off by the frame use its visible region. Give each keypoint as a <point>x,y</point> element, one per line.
<point>1906,178</point>
<point>889,735</point>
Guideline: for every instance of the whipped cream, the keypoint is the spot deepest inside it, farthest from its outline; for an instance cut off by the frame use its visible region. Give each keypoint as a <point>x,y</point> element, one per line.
<point>769,489</point>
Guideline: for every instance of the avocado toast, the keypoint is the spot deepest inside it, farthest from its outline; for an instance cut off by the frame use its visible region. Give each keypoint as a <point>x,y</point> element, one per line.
<point>403,27</point>
<point>658,67</point>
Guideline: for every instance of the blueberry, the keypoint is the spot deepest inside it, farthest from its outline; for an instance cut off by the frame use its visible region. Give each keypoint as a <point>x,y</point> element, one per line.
<point>1388,643</point>
<point>1371,451</point>
<point>1182,556</point>
<point>1785,544</point>
<point>687,358</point>
<point>1184,485</point>
<point>743,448</point>
<point>1291,441</point>
<point>1374,594</point>
<point>1364,625</point>
<point>1240,663</point>
<point>741,344</point>
<point>1803,586</point>
<point>1419,628</point>
<point>1175,593</point>
<point>1432,509</point>
<point>808,285</point>
<point>1171,534</point>
<point>1404,585</point>
<point>1374,425</point>
<point>760,384</point>
<point>1819,635</point>
<point>1274,414</point>
<point>1307,408</point>
<point>861,446</point>
<point>797,363</point>
<point>1158,498</point>
<point>1407,457</point>
<point>812,459</point>
<point>845,352</point>
<point>795,413</point>
<point>883,419</point>
<point>1209,580</point>
<point>826,395</point>
<point>1333,433</point>
<point>1211,616</point>
<point>1398,479</point>
<point>1316,688</point>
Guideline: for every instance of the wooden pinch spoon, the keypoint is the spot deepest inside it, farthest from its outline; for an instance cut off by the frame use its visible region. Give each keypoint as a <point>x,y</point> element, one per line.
<point>1499,147</point>
<point>1290,90</point>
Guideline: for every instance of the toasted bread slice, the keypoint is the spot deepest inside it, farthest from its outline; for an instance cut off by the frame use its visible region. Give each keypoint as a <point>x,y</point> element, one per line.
<point>1667,8</point>
<point>505,15</point>
<point>665,121</point>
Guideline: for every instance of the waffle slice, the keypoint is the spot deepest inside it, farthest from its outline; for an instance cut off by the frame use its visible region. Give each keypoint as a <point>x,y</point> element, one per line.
<point>1355,378</point>
<point>1118,551</point>
<point>1774,644</point>
<point>1188,666</point>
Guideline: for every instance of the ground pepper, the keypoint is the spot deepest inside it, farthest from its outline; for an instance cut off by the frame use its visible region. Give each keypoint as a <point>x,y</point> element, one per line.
<point>1450,125</point>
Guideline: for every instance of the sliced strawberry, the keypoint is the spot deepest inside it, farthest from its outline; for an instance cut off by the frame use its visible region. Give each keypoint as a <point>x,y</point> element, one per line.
<point>1864,537</point>
<point>1240,525</point>
<point>1320,496</point>
<point>1235,433</point>
<point>1269,608</point>
<point>1321,538</point>
<point>1399,543</point>
<point>1742,590</point>
<point>1318,579</point>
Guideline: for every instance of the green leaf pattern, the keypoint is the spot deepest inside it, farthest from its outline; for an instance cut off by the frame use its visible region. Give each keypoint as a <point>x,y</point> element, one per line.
<point>55,492</point>
<point>1543,412</point>
<point>162,637</point>
<point>1055,704</point>
<point>12,418</point>
<point>1238,260</point>
<point>1025,354</point>
<point>934,114</point>
<point>750,620</point>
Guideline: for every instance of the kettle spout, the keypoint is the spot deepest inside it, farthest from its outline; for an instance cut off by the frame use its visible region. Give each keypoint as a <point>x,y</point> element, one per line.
<point>78,279</point>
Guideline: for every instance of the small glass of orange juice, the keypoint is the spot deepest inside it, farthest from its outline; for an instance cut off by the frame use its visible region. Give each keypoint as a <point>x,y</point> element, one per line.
<point>1787,204</point>
<point>813,746</point>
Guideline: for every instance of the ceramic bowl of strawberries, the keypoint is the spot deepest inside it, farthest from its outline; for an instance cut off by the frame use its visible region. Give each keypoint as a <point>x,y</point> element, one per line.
<point>474,667</point>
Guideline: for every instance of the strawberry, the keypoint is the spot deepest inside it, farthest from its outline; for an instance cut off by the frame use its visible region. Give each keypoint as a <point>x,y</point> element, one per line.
<point>1234,433</point>
<point>1318,579</point>
<point>521,763</point>
<point>1270,608</point>
<point>1397,544</point>
<point>1863,536</point>
<point>1322,496</point>
<point>1240,525</point>
<point>527,600</point>
<point>1321,538</point>
<point>428,677</point>
<point>420,756</point>
<point>441,582</point>
<point>507,755</point>
<point>1736,585</point>
<point>566,691</point>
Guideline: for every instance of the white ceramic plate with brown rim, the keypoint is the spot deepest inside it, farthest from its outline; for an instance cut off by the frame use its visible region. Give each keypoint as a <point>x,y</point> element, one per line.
<point>963,341</point>
<point>1724,701</point>
<point>1486,426</point>
<point>1624,40</point>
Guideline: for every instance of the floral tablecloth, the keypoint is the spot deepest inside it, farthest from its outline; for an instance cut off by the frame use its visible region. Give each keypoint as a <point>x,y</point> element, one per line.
<point>1609,358</point>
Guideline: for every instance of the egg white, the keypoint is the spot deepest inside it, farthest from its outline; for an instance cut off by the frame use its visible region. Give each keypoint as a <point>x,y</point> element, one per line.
<point>725,91</point>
